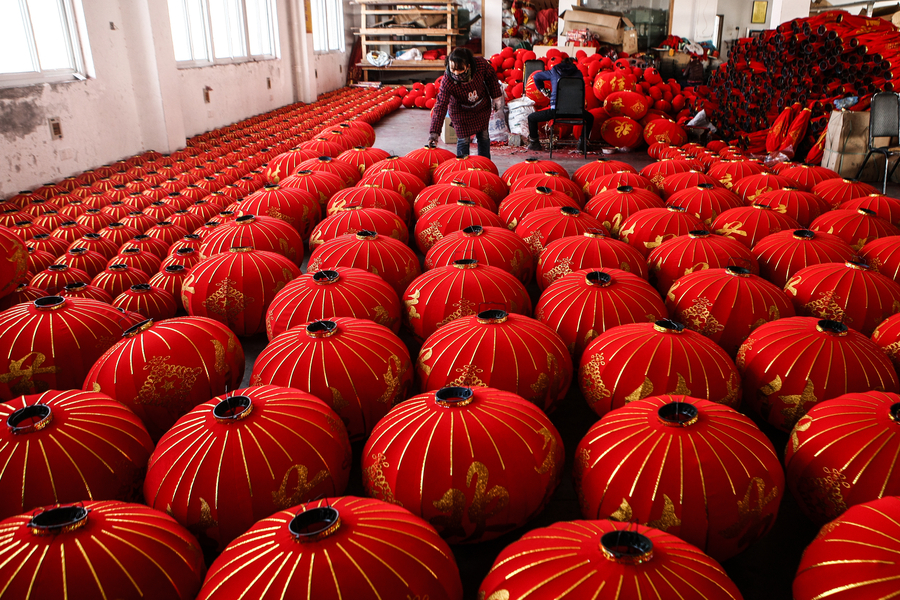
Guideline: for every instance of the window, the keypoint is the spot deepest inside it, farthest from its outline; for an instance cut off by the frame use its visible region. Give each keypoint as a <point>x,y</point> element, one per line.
<point>328,25</point>
<point>39,42</point>
<point>205,32</point>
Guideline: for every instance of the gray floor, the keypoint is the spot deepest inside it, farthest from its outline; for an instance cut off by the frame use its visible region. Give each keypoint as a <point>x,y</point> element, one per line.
<point>763,572</point>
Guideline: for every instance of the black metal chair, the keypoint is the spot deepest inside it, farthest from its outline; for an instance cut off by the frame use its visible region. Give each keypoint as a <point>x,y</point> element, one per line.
<point>531,66</point>
<point>570,108</point>
<point>884,121</point>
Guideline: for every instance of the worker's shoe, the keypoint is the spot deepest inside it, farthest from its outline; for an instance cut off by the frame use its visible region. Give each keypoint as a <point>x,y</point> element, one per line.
<point>582,145</point>
<point>534,145</point>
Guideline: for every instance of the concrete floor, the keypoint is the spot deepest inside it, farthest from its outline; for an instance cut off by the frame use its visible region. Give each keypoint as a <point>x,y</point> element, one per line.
<point>763,572</point>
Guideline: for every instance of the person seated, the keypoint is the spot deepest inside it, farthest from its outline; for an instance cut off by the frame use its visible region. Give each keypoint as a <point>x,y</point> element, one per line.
<point>565,68</point>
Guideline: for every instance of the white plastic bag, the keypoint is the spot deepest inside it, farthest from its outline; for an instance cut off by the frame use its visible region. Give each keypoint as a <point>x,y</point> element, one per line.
<point>519,110</point>
<point>497,129</point>
<point>411,54</point>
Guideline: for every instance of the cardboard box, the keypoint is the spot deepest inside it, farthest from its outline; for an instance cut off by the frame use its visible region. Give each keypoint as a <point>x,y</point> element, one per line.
<point>611,28</point>
<point>448,134</point>
<point>845,146</point>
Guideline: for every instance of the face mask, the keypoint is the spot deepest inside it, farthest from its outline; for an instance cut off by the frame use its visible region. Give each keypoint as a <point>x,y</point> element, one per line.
<point>462,77</point>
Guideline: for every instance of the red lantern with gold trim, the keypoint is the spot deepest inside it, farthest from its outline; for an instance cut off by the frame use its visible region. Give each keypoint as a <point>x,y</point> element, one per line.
<point>752,186</point>
<point>460,289</point>
<point>887,337</point>
<point>807,176</point>
<point>37,261</point>
<point>801,206</point>
<point>337,292</point>
<point>97,549</point>
<point>449,193</point>
<point>782,254</point>
<point>842,454</point>
<point>23,293</point>
<point>173,366</point>
<point>583,304</point>
<point>854,557</point>
<point>553,180</point>
<point>170,279</point>
<point>850,292</point>
<point>856,227</point>
<point>399,163</point>
<point>375,549</point>
<point>151,302</point>
<point>52,342</point>
<point>264,234</point>
<point>481,180</point>
<point>203,473</point>
<point>496,246</point>
<point>721,493</point>
<point>612,207</point>
<point>519,204</point>
<point>347,173</point>
<point>321,184</point>
<point>490,492</point>
<point>585,557</point>
<point>15,266</point>
<point>370,196</point>
<point>590,250</point>
<point>884,207</point>
<point>443,220</point>
<point>352,219</point>
<point>696,251</point>
<point>286,163</point>
<point>186,257</point>
<point>497,349</point>
<point>320,147</point>
<point>646,229</point>
<point>621,132</point>
<point>836,191</point>
<point>406,184</point>
<point>137,258</point>
<point>688,179</point>
<point>706,201</point>
<point>298,208</point>
<point>430,157</point>
<point>750,224</point>
<point>356,366</point>
<point>666,131</point>
<point>236,287</point>
<point>54,277</point>
<point>587,173</point>
<point>155,246</point>
<point>785,375</point>
<point>729,173</point>
<point>540,227</point>
<point>614,180</point>
<point>657,172</point>
<point>117,278</point>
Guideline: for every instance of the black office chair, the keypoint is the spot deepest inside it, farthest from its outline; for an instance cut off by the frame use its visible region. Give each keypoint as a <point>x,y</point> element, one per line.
<point>570,108</point>
<point>531,66</point>
<point>884,121</point>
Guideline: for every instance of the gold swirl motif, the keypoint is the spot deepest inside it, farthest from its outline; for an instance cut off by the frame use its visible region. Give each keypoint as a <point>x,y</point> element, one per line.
<point>625,233</point>
<point>732,389</point>
<point>219,364</point>
<point>773,315</point>
<point>615,224</point>
<point>339,432</point>
<point>658,240</point>
<point>751,521</point>
<point>287,276</point>
<point>893,351</point>
<point>563,267</point>
<point>431,234</point>
<point>823,495</point>
<point>453,501</point>
<point>592,382</point>
<point>409,275</point>
<point>699,318</point>
<point>791,285</point>
<point>468,377</point>
<point>464,308</point>
<point>315,264</point>
<point>534,242</point>
<point>797,404</point>
<point>450,526</point>
<point>549,464</point>
<point>227,302</point>
<point>27,385</point>
<point>582,463</point>
<point>668,518</point>
<point>273,211</point>
<point>741,358</point>
<point>20,258</point>
<point>802,425</point>
<point>548,384</point>
<point>392,378</point>
<point>167,384</point>
<point>517,262</point>
<point>424,355</point>
<point>732,229</point>
<point>411,305</point>
<point>95,387</point>
<point>827,307</point>
<point>645,390</point>
<point>382,317</point>
<point>622,514</point>
<point>256,380</point>
<point>286,249</point>
<point>376,483</point>
<point>206,521</point>
<point>301,491</point>
<point>337,400</point>
<point>727,181</point>
<point>828,528</point>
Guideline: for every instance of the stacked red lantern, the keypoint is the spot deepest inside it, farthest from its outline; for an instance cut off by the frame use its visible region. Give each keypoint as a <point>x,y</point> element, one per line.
<point>591,249</point>
<point>495,246</point>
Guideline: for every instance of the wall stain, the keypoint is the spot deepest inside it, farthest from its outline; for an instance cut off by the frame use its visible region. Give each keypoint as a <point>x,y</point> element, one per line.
<point>21,111</point>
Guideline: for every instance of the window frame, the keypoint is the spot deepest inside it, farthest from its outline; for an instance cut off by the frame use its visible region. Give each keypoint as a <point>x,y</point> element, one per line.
<point>209,43</point>
<point>76,38</point>
<point>314,8</point>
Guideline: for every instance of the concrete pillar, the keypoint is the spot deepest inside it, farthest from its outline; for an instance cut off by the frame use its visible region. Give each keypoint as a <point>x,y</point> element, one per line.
<point>787,10</point>
<point>693,19</point>
<point>302,58</point>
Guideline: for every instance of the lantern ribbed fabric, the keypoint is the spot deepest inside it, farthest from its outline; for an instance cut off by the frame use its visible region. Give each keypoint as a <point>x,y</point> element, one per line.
<point>299,208</point>
<point>174,365</point>
<point>801,206</point>
<point>286,163</point>
<point>729,173</point>
<point>518,205</point>
<point>347,173</point>
<point>587,173</point>
<point>484,181</point>
<point>119,277</point>
<point>750,224</point>
<point>576,559</point>
<point>726,305</point>
<point>696,251</point>
<point>138,258</point>
<point>887,337</point>
<point>449,193</point>
<point>22,293</point>
<point>84,290</point>
<point>98,549</point>
<point>589,250</point>
<point>884,207</point>
<point>785,371</point>
<point>855,556</point>
<point>353,219</point>
<point>151,302</point>
<point>705,201</point>
<point>442,220</point>
<point>207,474</point>
<point>856,227</point>
<point>170,279</point>
<point>850,292</point>
<point>473,462</point>
<point>265,234</point>
<point>321,184</point>
<point>612,207</point>
<point>495,246</point>
<point>690,467</point>
<point>400,163</point>
<point>359,368</point>
<point>55,277</point>
<point>496,349</point>
<point>646,229</point>
<point>430,157</point>
<point>688,179</point>
<point>545,225</point>
<point>88,447</point>
<point>336,292</point>
<point>842,453</point>
<point>782,254</point>
<point>52,342</point>
<point>362,156</point>
<point>406,184</point>
<point>460,289</point>
<point>464,163</point>
<point>15,266</point>
<point>752,186</point>
<point>614,180</point>
<point>186,257</point>
<point>582,304</point>
<point>554,181</point>
<point>391,259</point>
<point>625,363</point>
<point>807,176</point>
<point>236,287</point>
<point>836,191</point>
<point>658,171</point>
<point>370,196</point>
<point>333,549</point>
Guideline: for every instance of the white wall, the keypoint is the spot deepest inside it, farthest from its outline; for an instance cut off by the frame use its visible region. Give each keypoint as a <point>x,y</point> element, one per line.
<point>137,99</point>
<point>696,19</point>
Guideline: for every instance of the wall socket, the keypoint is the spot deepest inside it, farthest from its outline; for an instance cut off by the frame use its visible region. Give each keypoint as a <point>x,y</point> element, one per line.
<point>55,128</point>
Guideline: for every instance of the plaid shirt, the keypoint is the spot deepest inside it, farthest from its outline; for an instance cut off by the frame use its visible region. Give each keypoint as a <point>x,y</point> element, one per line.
<point>470,106</point>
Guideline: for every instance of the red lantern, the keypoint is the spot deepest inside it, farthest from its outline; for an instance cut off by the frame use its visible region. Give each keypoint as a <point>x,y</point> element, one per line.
<point>186,257</point>
<point>854,556</point>
<point>347,173</point>
<point>105,442</point>
<point>887,337</point>
<point>97,243</point>
<point>52,342</point>
<point>484,181</point>
<point>540,227</point>
<point>137,258</point>
<point>496,349</point>
<point>531,166</point>
<point>614,180</point>
<point>286,163</point>
<point>664,130</point>
<point>583,304</point>
<point>851,292</point>
<point>646,229</point>
<point>379,254</point>
<point>591,249</point>
<point>553,180</point>
<point>265,234</point>
<point>173,366</point>
<point>461,289</point>
<point>152,245</point>
<point>726,305</point>
<point>100,549</point>
<point>752,186</point>
<point>782,254</point>
<point>791,364</point>
<point>370,196</point>
<point>801,206</point>
<point>119,277</point>
<point>586,557</point>
<point>485,495</point>
<point>170,279</point>
<point>495,246</point>
<point>519,204</point>
<point>729,173</point>
<point>236,287</point>
<point>696,251</point>
<point>53,278</point>
<point>587,173</point>
<point>80,289</point>
<point>807,176</point>
<point>449,193</point>
<point>612,207</point>
<point>406,184</point>
<point>836,191</point>
<point>442,220</point>
<point>362,156</point>
<point>750,224</point>
<point>884,207</point>
<point>23,293</point>
<point>703,494</point>
<point>831,462</point>
<point>657,172</point>
<point>356,366</point>
<point>688,179</point>
<point>706,201</point>
<point>321,147</point>
<point>15,267</point>
<point>430,157</point>
<point>339,292</point>
<point>152,302</point>
<point>118,233</point>
<point>399,163</point>
<point>856,227</point>
<point>621,132</point>
<point>300,452</point>
<point>412,561</point>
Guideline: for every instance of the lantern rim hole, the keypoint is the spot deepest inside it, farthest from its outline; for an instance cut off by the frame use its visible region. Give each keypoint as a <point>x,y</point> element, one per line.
<point>321,328</point>
<point>174,268</point>
<point>543,189</point>
<point>29,419</point>
<point>244,219</point>
<point>804,234</point>
<point>75,286</point>
<point>465,202</point>
<point>599,279</point>
<point>625,189</point>
<point>473,230</point>
<point>668,326</point>
<point>699,233</point>
<point>49,302</point>
<point>739,271</point>
<point>626,547</point>
<point>141,287</point>
<point>895,412</point>
<point>185,250</point>
<point>706,186</point>
<point>570,211</point>
<point>325,277</point>
<point>314,524</point>
<point>61,519</point>
<point>493,315</point>
<point>858,265</point>
<point>678,414</point>
<point>233,408</point>
<point>454,396</point>
<point>366,234</point>
<point>136,329</point>
<point>58,267</point>
<point>832,327</point>
<point>678,209</point>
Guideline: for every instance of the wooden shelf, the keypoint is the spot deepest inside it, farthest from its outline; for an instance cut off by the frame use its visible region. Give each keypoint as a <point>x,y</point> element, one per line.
<point>406,65</point>
<point>407,31</point>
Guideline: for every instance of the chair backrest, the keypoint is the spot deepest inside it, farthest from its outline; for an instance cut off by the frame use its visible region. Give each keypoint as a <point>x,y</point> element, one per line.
<point>884,118</point>
<point>570,96</point>
<point>530,67</point>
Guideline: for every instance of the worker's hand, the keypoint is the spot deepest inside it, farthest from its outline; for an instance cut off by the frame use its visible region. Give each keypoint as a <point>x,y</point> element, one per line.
<point>545,92</point>
<point>497,104</point>
<point>432,140</point>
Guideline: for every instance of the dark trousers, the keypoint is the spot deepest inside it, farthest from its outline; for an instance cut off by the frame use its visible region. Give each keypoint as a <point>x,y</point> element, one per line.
<point>549,114</point>
<point>484,144</point>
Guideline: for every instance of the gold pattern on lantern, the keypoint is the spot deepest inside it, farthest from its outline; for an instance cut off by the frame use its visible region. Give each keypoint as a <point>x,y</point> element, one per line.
<point>732,229</point>
<point>624,233</point>
<point>431,234</point>
<point>187,286</point>
<point>464,307</point>
<point>797,404</point>
<point>376,483</point>
<point>802,425</point>
<point>479,512</point>
<point>563,267</point>
<point>622,514</point>
<point>751,521</point>
<point>517,261</point>
<point>791,286</point>
<point>615,223</point>
<point>668,518</point>
<point>548,385</point>
<point>732,389</point>
<point>582,462</point>
<point>534,242</point>
<point>424,355</point>
<point>166,384</point>
<point>741,357</point>
<point>382,317</point>
<point>206,519</point>
<point>824,494</point>
<point>591,381</point>
<point>220,366</point>
<point>549,464</point>
<point>337,400</point>
<point>827,307</point>
<point>468,377</point>
<point>699,317</point>
<point>226,301</point>
<point>301,491</point>
<point>27,385</point>
<point>727,181</point>
<point>287,276</point>
<point>411,305</point>
<point>645,390</point>
<point>392,378</point>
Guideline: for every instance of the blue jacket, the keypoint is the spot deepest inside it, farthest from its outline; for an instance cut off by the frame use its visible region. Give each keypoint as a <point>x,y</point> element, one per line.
<point>553,76</point>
